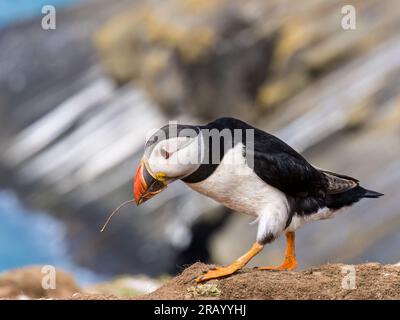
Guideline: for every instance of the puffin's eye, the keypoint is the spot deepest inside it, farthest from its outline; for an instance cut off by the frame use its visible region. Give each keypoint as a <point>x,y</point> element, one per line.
<point>165,153</point>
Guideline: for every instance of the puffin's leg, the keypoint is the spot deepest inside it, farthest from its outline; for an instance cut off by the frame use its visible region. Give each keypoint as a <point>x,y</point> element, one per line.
<point>238,264</point>
<point>290,261</point>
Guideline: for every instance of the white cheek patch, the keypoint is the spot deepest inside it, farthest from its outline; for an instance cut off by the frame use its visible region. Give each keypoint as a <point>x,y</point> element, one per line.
<point>181,151</point>
<point>191,153</point>
<point>172,145</point>
<point>156,158</point>
<point>184,156</point>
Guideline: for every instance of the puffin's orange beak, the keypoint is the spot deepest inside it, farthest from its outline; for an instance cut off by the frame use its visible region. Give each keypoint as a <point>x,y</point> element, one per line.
<point>146,186</point>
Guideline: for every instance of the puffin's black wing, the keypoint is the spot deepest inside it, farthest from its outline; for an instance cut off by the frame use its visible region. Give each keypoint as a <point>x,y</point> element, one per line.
<point>285,169</point>
<point>280,166</point>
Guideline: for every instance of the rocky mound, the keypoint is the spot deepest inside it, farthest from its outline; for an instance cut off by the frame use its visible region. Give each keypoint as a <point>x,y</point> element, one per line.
<point>331,281</point>
<point>34,283</point>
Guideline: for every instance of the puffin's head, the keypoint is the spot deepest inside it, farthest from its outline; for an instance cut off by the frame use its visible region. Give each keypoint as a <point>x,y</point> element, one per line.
<point>171,153</point>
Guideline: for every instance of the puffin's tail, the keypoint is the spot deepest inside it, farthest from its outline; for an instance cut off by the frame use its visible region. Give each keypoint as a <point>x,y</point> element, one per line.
<point>347,198</point>
<point>372,194</point>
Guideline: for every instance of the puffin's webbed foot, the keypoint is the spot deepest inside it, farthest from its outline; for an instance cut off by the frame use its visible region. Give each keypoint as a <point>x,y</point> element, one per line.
<point>220,272</point>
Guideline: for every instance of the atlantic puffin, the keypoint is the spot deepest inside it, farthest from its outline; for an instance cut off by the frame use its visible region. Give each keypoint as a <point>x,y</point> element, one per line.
<point>249,171</point>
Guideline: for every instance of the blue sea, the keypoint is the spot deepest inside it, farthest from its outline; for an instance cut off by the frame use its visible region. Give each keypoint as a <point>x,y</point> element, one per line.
<point>34,238</point>
<point>26,237</point>
<point>15,10</point>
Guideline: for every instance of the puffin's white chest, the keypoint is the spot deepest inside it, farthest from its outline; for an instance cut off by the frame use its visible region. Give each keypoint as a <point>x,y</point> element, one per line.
<point>235,185</point>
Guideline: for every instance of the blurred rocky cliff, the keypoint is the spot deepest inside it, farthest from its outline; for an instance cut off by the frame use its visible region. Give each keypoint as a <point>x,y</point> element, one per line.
<point>77,103</point>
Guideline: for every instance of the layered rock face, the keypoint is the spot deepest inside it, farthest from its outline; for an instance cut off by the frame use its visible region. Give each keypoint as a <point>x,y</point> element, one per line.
<point>212,58</point>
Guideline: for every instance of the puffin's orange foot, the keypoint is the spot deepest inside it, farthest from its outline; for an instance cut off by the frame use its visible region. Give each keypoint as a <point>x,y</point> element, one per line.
<point>218,272</point>
<point>288,264</point>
